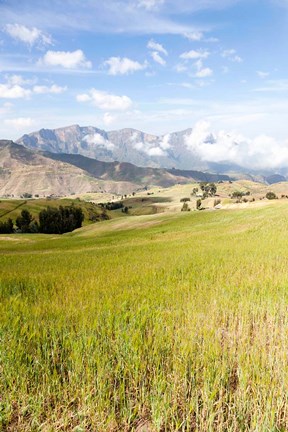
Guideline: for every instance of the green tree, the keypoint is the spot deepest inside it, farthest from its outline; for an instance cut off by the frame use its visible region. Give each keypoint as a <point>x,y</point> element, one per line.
<point>6,227</point>
<point>23,222</point>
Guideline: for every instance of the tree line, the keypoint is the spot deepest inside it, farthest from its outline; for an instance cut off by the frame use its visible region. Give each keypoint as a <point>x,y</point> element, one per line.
<point>51,221</point>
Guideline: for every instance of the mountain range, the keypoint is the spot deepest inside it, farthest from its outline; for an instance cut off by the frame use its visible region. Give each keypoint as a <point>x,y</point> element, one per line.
<point>125,145</point>
<point>170,151</point>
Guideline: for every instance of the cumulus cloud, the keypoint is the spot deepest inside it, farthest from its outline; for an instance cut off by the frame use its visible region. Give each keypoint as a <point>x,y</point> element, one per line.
<point>66,59</point>
<point>20,122</point>
<point>232,55</point>
<point>123,66</point>
<point>106,101</point>
<point>54,89</point>
<point>157,58</point>
<point>201,71</point>
<point>155,46</point>
<point>262,152</point>
<point>98,141</point>
<point>194,55</point>
<point>10,91</point>
<point>30,36</point>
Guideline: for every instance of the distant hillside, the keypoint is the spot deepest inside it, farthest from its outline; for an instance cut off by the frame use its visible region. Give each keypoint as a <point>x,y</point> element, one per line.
<point>23,170</point>
<point>123,171</point>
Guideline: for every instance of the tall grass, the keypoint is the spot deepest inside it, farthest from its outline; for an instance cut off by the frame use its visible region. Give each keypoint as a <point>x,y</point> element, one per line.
<point>177,326</point>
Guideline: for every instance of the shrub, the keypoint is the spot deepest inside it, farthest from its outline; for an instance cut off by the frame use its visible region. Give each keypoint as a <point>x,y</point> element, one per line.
<point>198,204</point>
<point>238,194</point>
<point>271,196</point>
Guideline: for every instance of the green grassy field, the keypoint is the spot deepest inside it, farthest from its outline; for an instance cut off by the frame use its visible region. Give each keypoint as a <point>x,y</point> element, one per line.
<point>167,322</point>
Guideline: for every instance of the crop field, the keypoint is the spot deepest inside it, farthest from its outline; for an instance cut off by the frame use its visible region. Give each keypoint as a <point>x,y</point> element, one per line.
<point>163,322</point>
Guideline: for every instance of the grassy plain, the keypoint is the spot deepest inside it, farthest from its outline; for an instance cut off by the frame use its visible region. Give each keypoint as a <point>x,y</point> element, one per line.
<point>167,322</point>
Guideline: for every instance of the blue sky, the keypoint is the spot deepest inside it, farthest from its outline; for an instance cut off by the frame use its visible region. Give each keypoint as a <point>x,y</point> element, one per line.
<point>155,65</point>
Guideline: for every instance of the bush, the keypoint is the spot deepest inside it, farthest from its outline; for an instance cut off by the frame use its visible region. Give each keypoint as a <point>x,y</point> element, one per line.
<point>198,204</point>
<point>217,202</point>
<point>271,196</point>
<point>238,194</point>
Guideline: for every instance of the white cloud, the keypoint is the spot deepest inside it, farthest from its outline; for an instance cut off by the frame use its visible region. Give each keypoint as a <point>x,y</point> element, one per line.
<point>108,119</point>
<point>180,68</point>
<point>261,152</point>
<point>106,101</point>
<point>231,55</point>
<point>30,36</point>
<point>66,59</point>
<point>139,145</point>
<point>19,123</point>
<point>98,141</point>
<point>123,66</point>
<point>150,4</point>
<point>193,55</point>
<point>262,74</point>
<point>194,36</point>
<point>155,46</point>
<point>157,58</point>
<point>155,151</point>
<point>8,91</point>
<point>165,144</point>
<point>17,80</point>
<point>54,89</point>
<point>204,73</point>
<point>201,71</point>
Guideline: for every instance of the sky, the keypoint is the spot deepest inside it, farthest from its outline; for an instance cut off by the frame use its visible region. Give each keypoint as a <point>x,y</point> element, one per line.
<point>218,66</point>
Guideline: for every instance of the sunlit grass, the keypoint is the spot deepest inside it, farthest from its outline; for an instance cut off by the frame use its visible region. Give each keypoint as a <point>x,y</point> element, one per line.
<point>176,322</point>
